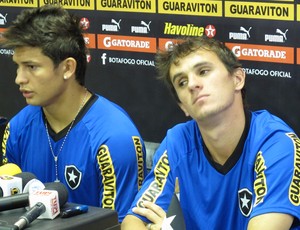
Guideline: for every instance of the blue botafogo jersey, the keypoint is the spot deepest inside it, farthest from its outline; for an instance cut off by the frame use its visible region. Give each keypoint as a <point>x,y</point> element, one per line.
<point>102,162</point>
<point>261,176</point>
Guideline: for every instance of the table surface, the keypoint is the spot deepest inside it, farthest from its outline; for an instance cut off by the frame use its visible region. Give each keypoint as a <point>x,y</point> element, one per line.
<point>95,218</point>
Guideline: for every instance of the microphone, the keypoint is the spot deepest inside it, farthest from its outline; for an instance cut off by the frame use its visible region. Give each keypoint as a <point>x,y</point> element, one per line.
<point>45,204</point>
<point>9,169</point>
<point>11,185</point>
<point>22,200</point>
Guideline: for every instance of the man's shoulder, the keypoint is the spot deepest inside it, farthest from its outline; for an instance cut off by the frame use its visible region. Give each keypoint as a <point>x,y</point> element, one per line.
<point>263,119</point>
<point>26,115</point>
<point>188,126</point>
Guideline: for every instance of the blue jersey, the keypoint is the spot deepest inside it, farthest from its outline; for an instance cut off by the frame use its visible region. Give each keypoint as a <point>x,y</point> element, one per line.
<point>102,162</point>
<point>261,176</point>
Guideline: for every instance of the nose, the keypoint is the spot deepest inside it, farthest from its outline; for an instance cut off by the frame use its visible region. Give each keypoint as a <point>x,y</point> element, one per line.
<point>21,77</point>
<point>194,82</point>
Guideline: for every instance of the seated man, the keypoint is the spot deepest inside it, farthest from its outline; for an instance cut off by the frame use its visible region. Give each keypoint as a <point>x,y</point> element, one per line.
<point>237,169</point>
<point>67,133</point>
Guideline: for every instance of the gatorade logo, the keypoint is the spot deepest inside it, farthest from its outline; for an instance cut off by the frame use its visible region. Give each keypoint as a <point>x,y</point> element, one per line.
<point>127,43</point>
<point>166,44</point>
<point>276,54</point>
<point>90,40</point>
<point>298,56</point>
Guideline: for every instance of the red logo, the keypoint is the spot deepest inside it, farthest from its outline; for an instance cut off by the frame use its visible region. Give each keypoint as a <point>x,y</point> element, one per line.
<point>210,31</point>
<point>85,23</point>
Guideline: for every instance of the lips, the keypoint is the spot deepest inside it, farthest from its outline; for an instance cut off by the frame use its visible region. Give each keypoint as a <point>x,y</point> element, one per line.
<point>26,93</point>
<point>200,98</point>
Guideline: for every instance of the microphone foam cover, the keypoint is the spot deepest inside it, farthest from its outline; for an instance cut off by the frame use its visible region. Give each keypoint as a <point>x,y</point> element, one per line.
<point>10,169</point>
<point>26,177</point>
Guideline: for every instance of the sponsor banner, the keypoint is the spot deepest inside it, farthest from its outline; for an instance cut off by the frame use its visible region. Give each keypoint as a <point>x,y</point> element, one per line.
<point>191,7</point>
<point>114,25</point>
<point>259,10</point>
<point>271,0</point>
<point>1,31</point>
<point>127,43</point>
<point>166,43</point>
<point>90,40</point>
<point>183,30</point>
<point>263,53</point>
<point>144,6</point>
<point>264,72</point>
<point>123,59</point>
<point>4,51</point>
<point>71,4</point>
<point>277,36</point>
<point>189,30</point>
<point>298,56</point>
<point>19,3</point>
<point>141,26</point>
<point>3,19</point>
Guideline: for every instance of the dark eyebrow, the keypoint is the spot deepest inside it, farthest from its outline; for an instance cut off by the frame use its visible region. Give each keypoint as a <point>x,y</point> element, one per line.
<point>176,76</point>
<point>25,62</point>
<point>197,65</point>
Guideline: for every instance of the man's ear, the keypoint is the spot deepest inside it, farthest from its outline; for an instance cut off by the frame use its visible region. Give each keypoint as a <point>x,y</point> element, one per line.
<point>183,109</point>
<point>70,65</point>
<point>239,78</point>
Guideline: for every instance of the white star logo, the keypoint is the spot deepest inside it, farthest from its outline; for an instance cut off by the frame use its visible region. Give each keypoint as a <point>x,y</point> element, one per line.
<point>166,224</point>
<point>245,201</point>
<point>72,176</point>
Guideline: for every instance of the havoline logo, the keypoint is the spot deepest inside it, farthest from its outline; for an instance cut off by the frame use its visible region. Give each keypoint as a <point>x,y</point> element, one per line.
<point>183,30</point>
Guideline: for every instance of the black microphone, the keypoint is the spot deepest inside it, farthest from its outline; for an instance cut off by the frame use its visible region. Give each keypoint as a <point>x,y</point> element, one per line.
<point>32,214</point>
<point>26,177</point>
<point>46,204</point>
<point>22,200</point>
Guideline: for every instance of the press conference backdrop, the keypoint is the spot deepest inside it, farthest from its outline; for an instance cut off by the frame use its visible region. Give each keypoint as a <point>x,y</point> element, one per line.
<point>123,35</point>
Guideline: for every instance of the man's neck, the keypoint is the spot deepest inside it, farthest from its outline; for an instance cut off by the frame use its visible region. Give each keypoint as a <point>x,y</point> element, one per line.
<point>61,113</point>
<point>222,138</point>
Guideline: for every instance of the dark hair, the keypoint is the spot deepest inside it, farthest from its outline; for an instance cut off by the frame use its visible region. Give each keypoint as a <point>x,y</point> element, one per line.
<point>52,29</point>
<point>165,58</point>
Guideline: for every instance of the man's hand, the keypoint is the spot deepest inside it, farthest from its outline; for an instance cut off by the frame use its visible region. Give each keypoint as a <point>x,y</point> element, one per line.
<point>152,212</point>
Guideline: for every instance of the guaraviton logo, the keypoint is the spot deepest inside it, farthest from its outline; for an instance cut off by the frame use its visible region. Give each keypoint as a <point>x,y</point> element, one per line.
<point>259,10</point>
<point>294,191</point>
<point>19,3</point>
<point>144,6</point>
<point>191,7</point>
<point>71,4</point>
